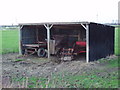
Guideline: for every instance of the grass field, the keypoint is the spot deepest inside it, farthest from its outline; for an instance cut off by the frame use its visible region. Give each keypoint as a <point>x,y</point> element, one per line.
<point>117,41</point>
<point>9,41</point>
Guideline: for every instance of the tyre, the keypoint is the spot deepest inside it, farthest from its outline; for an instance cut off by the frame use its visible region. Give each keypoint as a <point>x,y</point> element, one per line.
<point>41,52</point>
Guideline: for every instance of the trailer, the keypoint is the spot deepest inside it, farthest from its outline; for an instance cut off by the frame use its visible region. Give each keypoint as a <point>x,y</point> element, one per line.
<point>38,48</point>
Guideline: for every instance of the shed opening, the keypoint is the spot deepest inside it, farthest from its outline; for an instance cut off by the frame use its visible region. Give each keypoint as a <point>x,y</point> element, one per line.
<point>67,41</point>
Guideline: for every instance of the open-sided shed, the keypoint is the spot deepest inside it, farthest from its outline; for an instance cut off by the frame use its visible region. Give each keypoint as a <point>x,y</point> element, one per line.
<point>99,38</point>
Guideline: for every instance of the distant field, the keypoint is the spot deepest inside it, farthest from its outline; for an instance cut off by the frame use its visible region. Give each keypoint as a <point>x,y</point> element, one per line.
<point>9,41</point>
<point>117,41</point>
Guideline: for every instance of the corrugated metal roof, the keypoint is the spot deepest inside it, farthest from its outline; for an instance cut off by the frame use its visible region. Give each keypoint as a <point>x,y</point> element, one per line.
<point>54,23</point>
<point>61,23</point>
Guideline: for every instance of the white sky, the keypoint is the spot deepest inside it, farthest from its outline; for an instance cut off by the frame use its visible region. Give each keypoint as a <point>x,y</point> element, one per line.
<point>36,11</point>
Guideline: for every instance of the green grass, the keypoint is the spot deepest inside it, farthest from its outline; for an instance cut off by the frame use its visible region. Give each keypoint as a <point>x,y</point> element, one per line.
<point>9,41</point>
<point>117,41</point>
<point>111,63</point>
<point>18,60</point>
<point>85,80</point>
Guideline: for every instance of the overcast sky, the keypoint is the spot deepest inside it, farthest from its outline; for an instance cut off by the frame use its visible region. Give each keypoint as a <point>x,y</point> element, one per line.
<point>36,11</point>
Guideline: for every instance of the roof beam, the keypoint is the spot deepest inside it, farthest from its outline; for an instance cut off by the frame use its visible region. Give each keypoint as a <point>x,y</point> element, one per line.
<point>84,26</point>
<point>21,26</point>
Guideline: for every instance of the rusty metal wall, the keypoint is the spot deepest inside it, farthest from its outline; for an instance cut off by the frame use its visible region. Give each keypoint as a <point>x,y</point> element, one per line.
<point>101,41</point>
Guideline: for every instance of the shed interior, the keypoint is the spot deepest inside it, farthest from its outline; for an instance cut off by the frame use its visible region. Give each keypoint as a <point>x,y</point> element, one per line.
<point>61,36</point>
<point>93,40</point>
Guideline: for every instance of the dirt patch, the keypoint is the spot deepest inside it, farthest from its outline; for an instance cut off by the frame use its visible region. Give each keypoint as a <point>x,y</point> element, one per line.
<point>14,65</point>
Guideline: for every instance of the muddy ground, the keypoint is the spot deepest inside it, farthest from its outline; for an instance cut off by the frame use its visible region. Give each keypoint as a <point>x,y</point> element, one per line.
<point>14,65</point>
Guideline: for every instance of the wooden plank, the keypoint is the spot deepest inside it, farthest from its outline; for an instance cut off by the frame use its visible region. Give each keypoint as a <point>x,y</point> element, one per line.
<point>66,35</point>
<point>31,45</point>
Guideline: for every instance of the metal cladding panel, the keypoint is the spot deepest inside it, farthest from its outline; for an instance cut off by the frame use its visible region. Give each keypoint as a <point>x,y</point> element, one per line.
<point>28,35</point>
<point>101,41</point>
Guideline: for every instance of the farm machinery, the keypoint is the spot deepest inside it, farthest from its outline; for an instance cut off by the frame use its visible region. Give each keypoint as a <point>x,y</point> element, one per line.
<point>57,47</point>
<point>69,53</point>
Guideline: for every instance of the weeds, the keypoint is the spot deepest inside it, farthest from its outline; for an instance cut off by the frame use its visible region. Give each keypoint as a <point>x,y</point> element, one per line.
<point>69,81</point>
<point>18,60</point>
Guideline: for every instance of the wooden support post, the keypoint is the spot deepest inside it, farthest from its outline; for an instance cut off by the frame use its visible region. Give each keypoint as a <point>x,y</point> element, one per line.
<point>87,41</point>
<point>48,27</point>
<point>87,45</point>
<point>19,34</point>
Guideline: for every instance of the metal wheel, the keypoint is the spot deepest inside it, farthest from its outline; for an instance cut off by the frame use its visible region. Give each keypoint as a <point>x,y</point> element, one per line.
<point>41,52</point>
